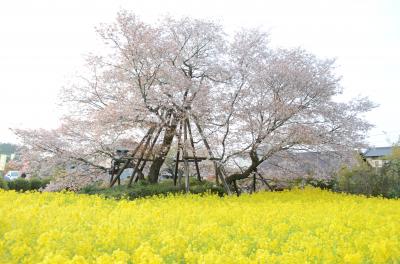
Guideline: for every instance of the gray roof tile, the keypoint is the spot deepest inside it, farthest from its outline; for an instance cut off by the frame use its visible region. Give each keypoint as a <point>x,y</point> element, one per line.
<point>378,152</point>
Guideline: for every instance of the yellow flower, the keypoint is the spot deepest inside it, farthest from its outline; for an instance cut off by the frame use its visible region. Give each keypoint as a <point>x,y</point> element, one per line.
<point>299,226</point>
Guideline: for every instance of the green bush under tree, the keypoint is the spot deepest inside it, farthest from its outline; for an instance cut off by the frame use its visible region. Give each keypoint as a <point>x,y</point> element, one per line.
<point>23,185</point>
<point>3,184</point>
<point>144,189</point>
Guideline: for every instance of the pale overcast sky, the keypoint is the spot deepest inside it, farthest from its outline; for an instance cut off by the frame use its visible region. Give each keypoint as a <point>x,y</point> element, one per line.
<point>42,44</point>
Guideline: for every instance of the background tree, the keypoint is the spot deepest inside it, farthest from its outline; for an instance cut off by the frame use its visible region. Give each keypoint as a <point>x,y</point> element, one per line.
<point>8,148</point>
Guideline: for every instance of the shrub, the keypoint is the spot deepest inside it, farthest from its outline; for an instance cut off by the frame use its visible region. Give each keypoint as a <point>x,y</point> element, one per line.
<point>3,184</point>
<point>363,179</point>
<point>144,189</point>
<point>324,184</point>
<point>25,184</point>
<point>19,185</point>
<point>37,184</point>
<point>391,170</point>
<point>90,189</point>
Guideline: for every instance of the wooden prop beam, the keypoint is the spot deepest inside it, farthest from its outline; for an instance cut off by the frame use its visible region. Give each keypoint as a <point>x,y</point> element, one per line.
<point>218,172</point>
<point>185,155</point>
<point>254,182</point>
<point>178,154</point>
<point>142,152</point>
<point>129,159</point>
<point>193,149</point>
<point>264,181</point>
<point>112,173</point>
<point>147,158</point>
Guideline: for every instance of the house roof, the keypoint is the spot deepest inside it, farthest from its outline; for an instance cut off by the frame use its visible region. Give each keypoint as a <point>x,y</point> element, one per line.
<point>378,152</point>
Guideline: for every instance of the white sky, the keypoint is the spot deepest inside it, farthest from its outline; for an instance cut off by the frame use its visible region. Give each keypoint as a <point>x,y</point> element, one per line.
<point>42,44</point>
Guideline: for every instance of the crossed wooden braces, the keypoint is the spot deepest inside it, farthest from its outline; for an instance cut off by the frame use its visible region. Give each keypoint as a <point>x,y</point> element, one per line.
<point>142,154</point>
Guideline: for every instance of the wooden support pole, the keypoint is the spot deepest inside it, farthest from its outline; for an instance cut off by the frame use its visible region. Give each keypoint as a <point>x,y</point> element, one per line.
<point>254,182</point>
<point>177,155</point>
<point>151,149</point>
<point>218,172</point>
<point>141,155</point>
<point>236,188</point>
<point>225,184</point>
<point>112,177</point>
<point>264,181</point>
<point>121,169</point>
<point>185,157</point>
<point>210,154</point>
<point>128,160</point>
<point>193,149</point>
<point>112,172</point>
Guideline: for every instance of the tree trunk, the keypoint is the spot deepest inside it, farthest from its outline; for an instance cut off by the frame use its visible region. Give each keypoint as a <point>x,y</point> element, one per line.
<point>255,162</point>
<point>240,176</point>
<point>160,158</point>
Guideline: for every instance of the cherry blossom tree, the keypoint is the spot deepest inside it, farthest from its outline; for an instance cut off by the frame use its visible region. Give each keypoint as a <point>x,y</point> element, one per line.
<point>245,101</point>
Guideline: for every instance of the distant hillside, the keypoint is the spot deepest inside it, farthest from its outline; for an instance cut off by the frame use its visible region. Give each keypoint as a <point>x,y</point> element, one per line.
<point>7,148</point>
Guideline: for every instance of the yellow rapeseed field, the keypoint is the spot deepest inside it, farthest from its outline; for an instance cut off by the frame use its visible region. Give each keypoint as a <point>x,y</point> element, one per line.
<point>300,226</point>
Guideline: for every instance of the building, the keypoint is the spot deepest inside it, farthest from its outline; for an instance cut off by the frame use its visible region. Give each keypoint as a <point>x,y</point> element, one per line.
<point>376,156</point>
<point>3,162</point>
<point>4,159</point>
